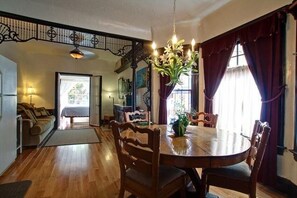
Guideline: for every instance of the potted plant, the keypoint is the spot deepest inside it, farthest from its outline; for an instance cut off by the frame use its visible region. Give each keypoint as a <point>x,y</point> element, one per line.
<point>179,126</point>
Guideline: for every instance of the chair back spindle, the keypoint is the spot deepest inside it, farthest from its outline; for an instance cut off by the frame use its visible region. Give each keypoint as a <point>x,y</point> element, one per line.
<point>208,119</point>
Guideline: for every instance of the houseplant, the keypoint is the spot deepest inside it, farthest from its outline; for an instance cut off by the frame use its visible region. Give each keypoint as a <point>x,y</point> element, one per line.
<point>172,63</point>
<point>181,122</point>
<point>179,126</point>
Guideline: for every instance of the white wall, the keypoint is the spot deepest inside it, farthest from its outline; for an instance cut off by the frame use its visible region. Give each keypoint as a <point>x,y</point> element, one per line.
<point>235,14</point>
<point>37,66</point>
<point>287,167</point>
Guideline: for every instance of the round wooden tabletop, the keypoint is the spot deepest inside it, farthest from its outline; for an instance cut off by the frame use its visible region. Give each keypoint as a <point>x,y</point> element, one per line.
<point>201,147</point>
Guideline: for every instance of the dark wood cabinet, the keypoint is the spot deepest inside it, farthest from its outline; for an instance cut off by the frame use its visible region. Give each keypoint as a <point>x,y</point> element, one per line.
<point>119,112</point>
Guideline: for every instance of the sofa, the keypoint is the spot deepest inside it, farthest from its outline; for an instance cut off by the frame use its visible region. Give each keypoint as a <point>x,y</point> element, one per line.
<point>37,123</point>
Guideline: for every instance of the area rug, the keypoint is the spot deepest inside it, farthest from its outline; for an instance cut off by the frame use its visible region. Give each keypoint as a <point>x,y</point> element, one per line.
<point>73,136</point>
<point>15,189</point>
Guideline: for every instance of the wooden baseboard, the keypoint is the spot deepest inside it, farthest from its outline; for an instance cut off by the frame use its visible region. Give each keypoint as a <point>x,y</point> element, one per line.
<point>286,186</point>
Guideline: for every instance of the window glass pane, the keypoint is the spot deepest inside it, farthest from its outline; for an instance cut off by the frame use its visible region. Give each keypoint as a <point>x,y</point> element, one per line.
<point>233,62</point>
<point>234,53</point>
<point>186,82</point>
<point>241,60</point>
<point>79,94</point>
<point>180,98</point>
<point>240,50</point>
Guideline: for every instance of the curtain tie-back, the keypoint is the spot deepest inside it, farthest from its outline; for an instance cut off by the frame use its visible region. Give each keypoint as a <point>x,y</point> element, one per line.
<point>276,97</point>
<point>208,98</point>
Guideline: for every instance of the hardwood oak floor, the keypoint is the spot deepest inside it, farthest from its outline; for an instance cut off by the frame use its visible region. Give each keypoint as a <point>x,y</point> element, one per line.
<point>84,170</point>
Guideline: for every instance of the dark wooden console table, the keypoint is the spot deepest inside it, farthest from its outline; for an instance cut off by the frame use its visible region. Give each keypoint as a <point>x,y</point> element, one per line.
<point>119,112</point>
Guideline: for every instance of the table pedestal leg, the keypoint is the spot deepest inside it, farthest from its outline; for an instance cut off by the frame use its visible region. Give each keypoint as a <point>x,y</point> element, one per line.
<point>193,174</point>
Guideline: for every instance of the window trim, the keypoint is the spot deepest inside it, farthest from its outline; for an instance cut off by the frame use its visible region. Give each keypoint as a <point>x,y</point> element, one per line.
<point>294,150</point>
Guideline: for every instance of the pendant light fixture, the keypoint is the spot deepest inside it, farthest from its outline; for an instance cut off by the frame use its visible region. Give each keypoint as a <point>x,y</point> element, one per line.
<point>76,53</point>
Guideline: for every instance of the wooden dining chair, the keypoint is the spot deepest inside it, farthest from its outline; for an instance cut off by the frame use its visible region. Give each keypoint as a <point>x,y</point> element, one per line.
<point>208,119</point>
<point>136,116</point>
<point>241,177</point>
<point>139,160</point>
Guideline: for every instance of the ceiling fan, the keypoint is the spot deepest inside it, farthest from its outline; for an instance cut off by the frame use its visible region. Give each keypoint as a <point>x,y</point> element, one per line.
<point>77,53</point>
<point>82,54</point>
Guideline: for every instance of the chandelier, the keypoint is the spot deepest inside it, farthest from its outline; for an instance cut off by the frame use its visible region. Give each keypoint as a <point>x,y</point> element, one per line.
<point>173,62</point>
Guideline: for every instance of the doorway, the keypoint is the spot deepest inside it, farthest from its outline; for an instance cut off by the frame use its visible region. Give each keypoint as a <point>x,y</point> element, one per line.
<point>78,100</point>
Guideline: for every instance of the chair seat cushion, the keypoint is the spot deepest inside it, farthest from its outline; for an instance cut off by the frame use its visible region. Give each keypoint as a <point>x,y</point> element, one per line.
<point>240,171</point>
<point>166,175</point>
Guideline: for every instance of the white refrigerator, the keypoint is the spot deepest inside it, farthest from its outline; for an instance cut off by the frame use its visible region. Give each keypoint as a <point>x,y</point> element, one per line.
<point>8,103</point>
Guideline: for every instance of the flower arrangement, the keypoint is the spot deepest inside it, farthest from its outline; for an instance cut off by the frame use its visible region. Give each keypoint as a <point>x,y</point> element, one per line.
<point>172,63</point>
<point>179,126</point>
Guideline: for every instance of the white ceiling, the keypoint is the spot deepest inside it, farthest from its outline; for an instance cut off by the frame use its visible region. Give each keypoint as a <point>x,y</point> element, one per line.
<point>53,49</point>
<point>133,18</point>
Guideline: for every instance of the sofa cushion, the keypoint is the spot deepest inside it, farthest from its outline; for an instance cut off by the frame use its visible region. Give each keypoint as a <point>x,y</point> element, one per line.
<point>27,114</point>
<point>48,118</point>
<point>40,127</point>
<point>43,111</point>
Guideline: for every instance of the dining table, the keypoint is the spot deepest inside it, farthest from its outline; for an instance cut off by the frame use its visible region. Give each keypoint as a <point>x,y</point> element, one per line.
<point>200,147</point>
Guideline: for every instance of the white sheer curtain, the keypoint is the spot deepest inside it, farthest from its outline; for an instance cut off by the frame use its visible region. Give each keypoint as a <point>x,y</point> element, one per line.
<point>65,86</point>
<point>237,101</point>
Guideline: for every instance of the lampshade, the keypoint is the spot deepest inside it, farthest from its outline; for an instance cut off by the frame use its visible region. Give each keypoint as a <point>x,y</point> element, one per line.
<point>31,90</point>
<point>76,53</point>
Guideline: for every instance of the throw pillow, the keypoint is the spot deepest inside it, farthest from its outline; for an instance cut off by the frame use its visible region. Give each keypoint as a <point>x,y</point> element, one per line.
<point>43,111</point>
<point>27,114</point>
<point>37,112</point>
<point>27,105</point>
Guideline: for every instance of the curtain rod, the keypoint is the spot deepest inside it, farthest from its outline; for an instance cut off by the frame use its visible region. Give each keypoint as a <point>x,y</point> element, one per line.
<point>284,8</point>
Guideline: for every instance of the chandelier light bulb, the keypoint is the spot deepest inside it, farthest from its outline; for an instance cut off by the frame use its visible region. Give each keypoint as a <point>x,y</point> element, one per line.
<point>193,44</point>
<point>154,46</point>
<point>189,54</point>
<point>173,62</point>
<point>174,39</point>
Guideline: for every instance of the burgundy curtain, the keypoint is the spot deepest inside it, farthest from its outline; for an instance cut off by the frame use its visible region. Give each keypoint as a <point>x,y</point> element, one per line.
<point>216,54</point>
<point>164,92</point>
<point>262,44</point>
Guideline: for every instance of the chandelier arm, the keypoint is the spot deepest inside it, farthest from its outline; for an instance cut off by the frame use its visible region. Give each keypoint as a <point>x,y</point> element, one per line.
<point>174,62</point>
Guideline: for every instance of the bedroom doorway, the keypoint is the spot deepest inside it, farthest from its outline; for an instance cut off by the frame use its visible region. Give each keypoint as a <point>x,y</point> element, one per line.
<point>78,90</point>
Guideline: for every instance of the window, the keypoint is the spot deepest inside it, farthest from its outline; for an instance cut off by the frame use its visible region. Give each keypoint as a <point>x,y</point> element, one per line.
<point>79,94</point>
<point>237,100</point>
<point>179,98</point>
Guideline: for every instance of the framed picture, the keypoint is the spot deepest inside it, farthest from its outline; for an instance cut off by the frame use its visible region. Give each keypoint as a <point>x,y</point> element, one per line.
<point>141,78</point>
<point>121,86</point>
